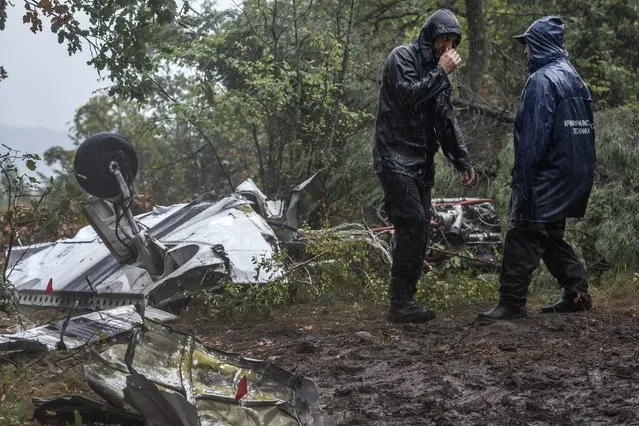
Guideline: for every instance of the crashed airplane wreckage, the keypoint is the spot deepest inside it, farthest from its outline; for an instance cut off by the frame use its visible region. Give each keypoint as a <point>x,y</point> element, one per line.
<point>120,264</point>
<point>471,223</point>
<point>157,257</point>
<point>164,255</point>
<point>456,221</point>
<point>167,378</point>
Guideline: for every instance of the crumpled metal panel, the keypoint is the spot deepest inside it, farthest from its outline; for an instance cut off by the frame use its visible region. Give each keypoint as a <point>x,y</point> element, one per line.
<point>270,209</point>
<point>211,411</point>
<point>222,236</point>
<point>80,330</point>
<point>64,410</point>
<point>207,379</point>
<point>160,408</point>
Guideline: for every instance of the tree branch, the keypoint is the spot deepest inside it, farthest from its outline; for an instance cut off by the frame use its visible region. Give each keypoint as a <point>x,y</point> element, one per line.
<point>501,115</point>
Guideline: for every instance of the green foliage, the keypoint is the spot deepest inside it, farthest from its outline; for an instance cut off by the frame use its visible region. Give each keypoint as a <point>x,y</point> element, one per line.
<point>118,34</point>
<point>346,266</point>
<point>334,267</point>
<point>355,185</point>
<point>500,186</point>
<point>451,285</point>
<point>30,209</point>
<point>617,148</point>
<point>14,409</point>
<point>281,98</point>
<point>16,189</point>
<point>250,301</point>
<point>14,182</point>
<point>611,224</point>
<point>598,36</point>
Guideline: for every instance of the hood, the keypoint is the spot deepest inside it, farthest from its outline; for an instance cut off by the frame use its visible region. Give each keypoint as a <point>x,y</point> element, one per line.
<point>443,21</point>
<point>545,37</point>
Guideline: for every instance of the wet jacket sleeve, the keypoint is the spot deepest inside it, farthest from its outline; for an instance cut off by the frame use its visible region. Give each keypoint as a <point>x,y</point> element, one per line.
<point>412,89</point>
<point>450,137</point>
<point>533,133</point>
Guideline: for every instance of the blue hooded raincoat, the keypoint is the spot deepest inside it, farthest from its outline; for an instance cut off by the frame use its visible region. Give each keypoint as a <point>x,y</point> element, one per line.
<point>554,132</point>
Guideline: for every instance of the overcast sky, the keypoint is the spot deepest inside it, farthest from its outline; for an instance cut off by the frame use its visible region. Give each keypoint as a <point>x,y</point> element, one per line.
<point>45,84</point>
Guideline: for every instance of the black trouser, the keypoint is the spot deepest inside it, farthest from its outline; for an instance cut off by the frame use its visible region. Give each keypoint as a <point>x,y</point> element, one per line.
<point>407,203</point>
<point>526,244</point>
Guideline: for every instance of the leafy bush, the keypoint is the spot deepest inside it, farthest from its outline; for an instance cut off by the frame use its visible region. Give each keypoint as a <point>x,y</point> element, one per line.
<point>14,409</point>
<point>611,225</point>
<point>349,264</point>
<point>31,209</point>
<point>333,263</point>
<point>451,285</point>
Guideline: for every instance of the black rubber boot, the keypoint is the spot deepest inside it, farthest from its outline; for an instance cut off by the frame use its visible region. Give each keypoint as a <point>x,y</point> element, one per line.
<point>502,312</point>
<point>408,311</point>
<point>402,306</point>
<point>576,302</point>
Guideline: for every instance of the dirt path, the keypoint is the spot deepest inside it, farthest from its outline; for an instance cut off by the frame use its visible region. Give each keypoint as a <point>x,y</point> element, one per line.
<point>543,370</point>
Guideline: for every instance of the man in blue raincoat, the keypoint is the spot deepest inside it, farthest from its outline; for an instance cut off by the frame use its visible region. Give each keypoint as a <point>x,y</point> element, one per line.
<point>415,118</point>
<point>552,177</point>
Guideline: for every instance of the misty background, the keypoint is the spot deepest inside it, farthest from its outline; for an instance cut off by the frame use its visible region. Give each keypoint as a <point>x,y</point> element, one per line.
<point>45,86</point>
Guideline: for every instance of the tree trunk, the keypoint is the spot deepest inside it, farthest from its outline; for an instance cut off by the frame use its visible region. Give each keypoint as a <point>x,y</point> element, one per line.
<point>476,47</point>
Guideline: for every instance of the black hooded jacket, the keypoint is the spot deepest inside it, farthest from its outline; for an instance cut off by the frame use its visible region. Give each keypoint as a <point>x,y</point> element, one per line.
<point>415,115</point>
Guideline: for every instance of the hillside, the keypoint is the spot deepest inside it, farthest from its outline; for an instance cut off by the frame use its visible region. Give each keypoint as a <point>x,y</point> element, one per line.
<point>34,140</point>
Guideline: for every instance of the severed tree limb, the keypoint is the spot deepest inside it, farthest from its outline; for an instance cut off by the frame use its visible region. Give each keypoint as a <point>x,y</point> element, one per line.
<point>499,114</point>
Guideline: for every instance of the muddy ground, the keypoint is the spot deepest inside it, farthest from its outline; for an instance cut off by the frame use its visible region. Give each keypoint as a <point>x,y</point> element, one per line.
<point>570,369</point>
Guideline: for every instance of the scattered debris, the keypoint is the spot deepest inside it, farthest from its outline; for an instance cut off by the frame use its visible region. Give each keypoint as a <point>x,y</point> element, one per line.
<point>127,264</point>
<point>67,409</point>
<point>161,256</point>
<point>173,379</point>
<point>164,255</point>
<point>465,221</point>
<point>457,222</point>
<point>80,330</point>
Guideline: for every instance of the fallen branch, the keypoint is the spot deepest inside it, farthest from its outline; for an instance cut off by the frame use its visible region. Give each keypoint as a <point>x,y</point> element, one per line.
<point>499,114</point>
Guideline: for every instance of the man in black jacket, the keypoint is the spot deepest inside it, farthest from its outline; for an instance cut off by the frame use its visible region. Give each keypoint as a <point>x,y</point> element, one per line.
<point>414,118</point>
<point>552,177</point>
